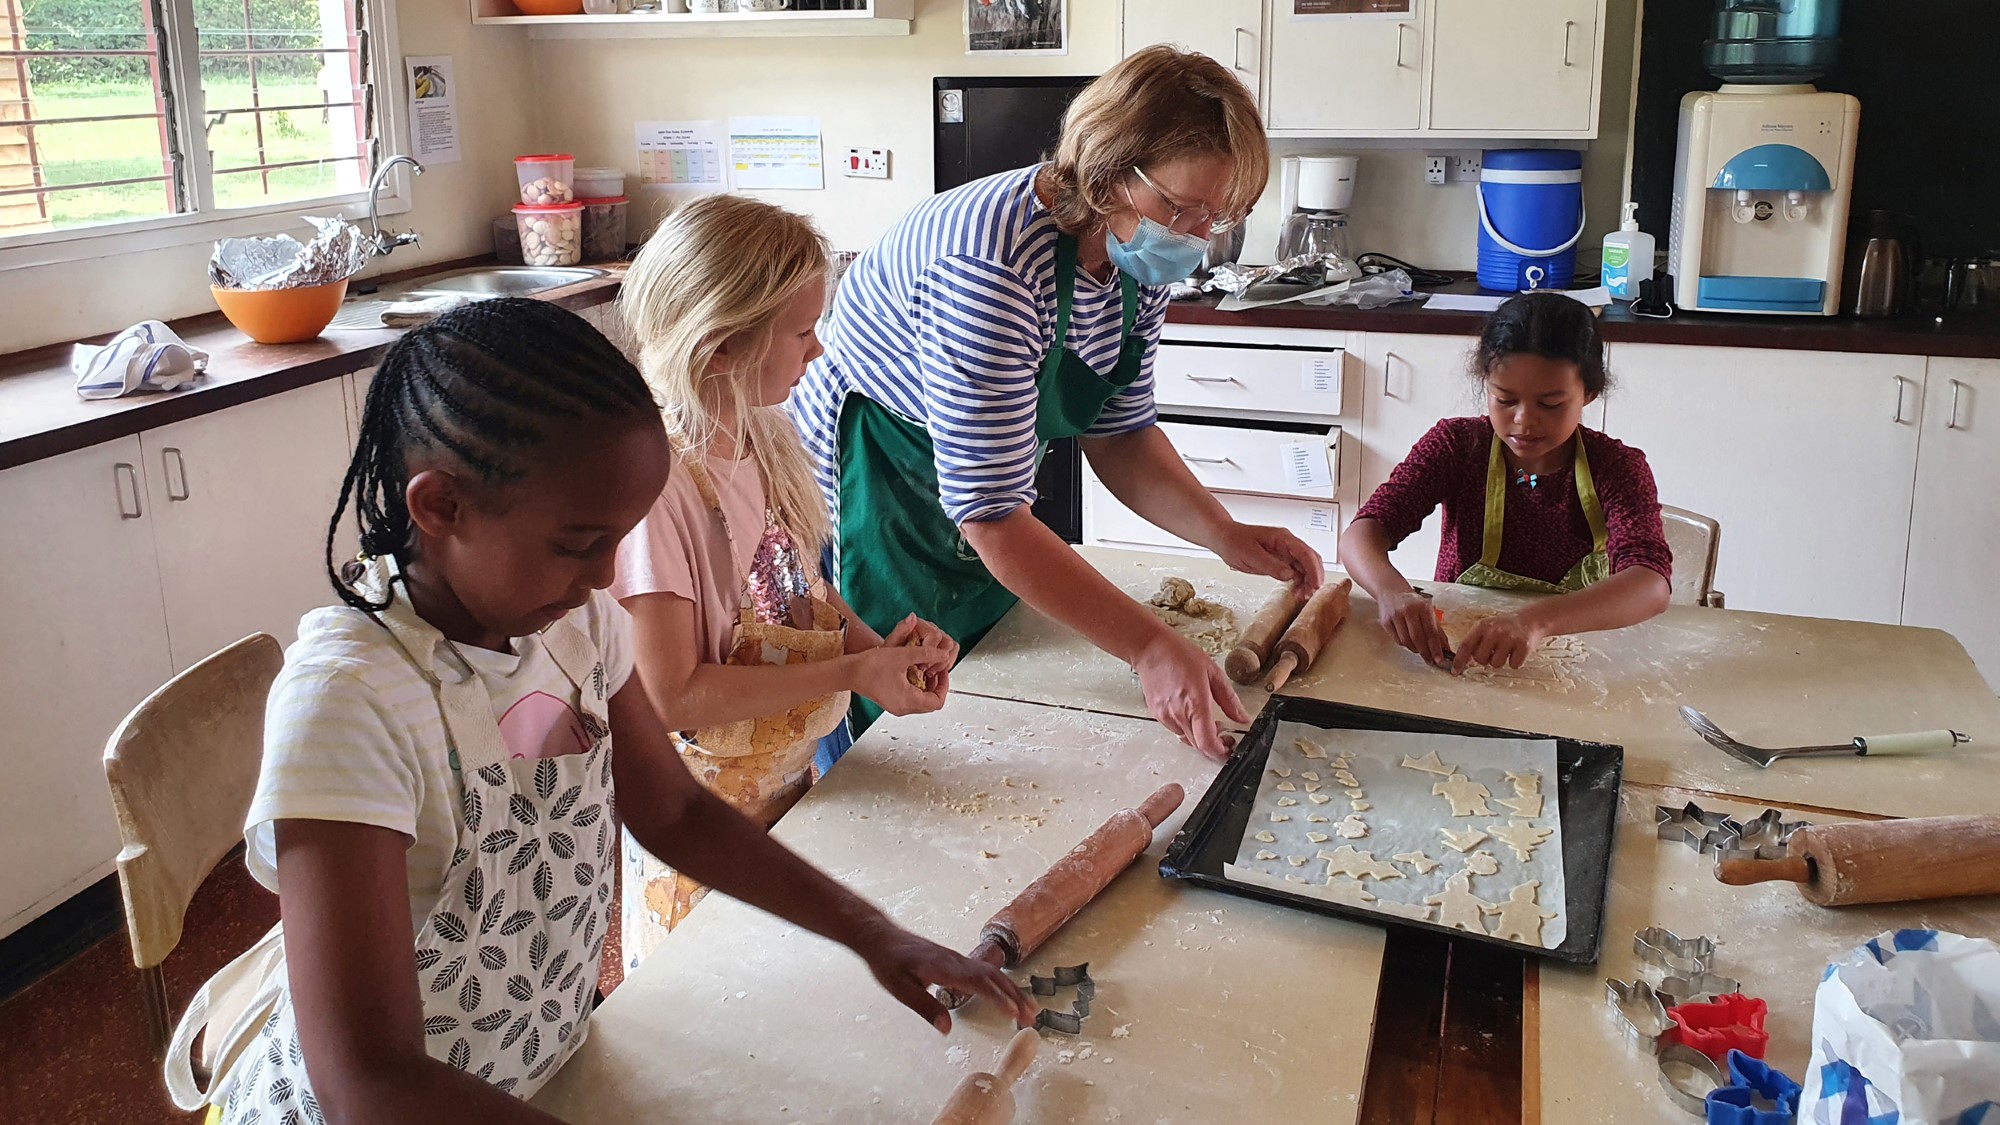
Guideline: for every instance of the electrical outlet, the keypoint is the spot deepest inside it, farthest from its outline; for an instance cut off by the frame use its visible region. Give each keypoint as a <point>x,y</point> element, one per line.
<point>867,163</point>
<point>1434,169</point>
<point>1465,166</point>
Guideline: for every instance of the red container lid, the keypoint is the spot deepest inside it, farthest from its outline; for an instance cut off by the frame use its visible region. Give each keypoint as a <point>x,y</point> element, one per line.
<point>546,208</point>
<point>607,199</point>
<point>544,158</point>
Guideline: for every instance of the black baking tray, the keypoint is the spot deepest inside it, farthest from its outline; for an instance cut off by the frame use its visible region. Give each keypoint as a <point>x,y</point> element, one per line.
<point>1586,798</point>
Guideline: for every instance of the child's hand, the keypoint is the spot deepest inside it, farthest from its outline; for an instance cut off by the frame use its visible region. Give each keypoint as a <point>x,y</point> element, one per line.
<point>908,966</point>
<point>890,675</point>
<point>1501,639</point>
<point>1410,619</point>
<point>914,630</point>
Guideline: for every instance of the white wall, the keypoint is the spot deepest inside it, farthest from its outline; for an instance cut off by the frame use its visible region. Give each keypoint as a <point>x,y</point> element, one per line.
<point>454,203</point>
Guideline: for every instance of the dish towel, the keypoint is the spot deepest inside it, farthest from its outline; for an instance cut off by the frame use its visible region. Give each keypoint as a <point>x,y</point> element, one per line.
<point>409,314</point>
<point>145,357</point>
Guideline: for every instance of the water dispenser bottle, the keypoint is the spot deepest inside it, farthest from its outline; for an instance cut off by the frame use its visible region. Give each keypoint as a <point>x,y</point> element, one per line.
<point>1765,42</point>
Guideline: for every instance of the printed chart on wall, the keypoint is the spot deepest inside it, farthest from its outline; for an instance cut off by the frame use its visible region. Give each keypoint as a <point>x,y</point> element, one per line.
<point>1354,9</point>
<point>1017,27</point>
<point>433,109</point>
<point>776,152</point>
<point>687,155</point>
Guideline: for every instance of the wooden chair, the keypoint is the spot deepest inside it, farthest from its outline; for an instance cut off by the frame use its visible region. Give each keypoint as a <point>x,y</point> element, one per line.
<point>183,769</point>
<point>1693,539</point>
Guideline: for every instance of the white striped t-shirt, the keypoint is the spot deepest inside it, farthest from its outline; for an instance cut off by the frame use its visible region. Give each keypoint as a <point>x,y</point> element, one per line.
<point>945,321</point>
<point>353,733</point>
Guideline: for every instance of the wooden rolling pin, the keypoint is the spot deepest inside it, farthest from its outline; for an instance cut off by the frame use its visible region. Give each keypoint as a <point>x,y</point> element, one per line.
<point>988,1099</point>
<point>1881,861</point>
<point>1252,654</point>
<point>1307,637</point>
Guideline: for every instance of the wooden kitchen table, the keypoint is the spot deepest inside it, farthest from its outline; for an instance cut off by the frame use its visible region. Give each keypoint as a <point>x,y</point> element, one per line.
<point>1209,1007</point>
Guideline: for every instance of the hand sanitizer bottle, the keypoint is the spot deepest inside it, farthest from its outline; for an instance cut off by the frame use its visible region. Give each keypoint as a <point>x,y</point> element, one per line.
<point>1628,257</point>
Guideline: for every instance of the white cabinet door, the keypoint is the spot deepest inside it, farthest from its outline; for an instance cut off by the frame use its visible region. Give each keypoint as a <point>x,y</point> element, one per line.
<point>1955,528</point>
<point>241,502</point>
<point>1527,68</point>
<point>1345,76</point>
<point>1107,522</point>
<point>1805,458</point>
<point>1228,31</point>
<point>85,640</point>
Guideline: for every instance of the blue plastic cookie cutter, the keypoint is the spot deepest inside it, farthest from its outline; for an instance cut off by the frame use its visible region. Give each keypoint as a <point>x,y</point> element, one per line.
<point>1753,1086</point>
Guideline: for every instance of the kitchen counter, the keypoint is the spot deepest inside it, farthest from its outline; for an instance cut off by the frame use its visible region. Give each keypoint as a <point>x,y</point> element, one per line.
<point>1964,336</point>
<point>41,416</point>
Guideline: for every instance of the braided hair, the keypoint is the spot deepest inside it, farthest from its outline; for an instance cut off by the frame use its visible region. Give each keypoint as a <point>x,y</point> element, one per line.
<point>484,385</point>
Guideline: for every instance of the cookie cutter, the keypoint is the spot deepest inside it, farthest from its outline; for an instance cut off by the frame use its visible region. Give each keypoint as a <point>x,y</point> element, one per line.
<point>1696,988</point>
<point>1689,1077</point>
<point>1643,1009</point>
<point>1657,945</point>
<point>1755,1094</point>
<point>1728,1023</point>
<point>1763,836</point>
<point>1692,825</point>
<point>1065,976</point>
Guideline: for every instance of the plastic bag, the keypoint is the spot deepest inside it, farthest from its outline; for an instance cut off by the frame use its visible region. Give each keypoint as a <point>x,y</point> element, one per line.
<point>1906,1030</point>
<point>1370,292</point>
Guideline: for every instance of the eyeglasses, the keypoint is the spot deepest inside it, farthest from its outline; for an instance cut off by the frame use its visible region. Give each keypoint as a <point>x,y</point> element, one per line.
<point>1187,217</point>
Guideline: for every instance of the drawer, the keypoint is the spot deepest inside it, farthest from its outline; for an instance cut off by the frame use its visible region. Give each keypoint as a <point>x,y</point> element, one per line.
<point>1217,376</point>
<point>1108,523</point>
<point>1242,459</point>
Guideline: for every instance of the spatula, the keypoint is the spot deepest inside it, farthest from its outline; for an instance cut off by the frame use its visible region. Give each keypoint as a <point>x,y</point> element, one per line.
<point>1919,743</point>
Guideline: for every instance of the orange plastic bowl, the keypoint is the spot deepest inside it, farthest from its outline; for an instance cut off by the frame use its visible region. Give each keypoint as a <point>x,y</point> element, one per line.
<point>549,7</point>
<point>281,316</point>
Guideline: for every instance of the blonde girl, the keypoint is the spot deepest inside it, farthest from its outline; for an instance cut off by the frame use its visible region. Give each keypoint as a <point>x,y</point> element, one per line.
<point>742,645</point>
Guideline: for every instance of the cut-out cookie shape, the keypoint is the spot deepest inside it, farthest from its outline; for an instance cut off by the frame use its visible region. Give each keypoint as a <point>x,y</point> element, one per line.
<point>1463,840</point>
<point>1346,892</point>
<point>1287,802</point>
<point>1308,775</point>
<point>1265,837</point>
<point>1266,853</point>
<point>1353,828</point>
<point>1360,806</point>
<point>1458,907</point>
<point>1296,860</point>
<point>1429,763</point>
<point>1528,805</point>
<point>1315,818</point>
<point>1348,860</point>
<point>1524,783</point>
<point>1317,837</point>
<point>1467,797</point>
<point>1308,749</point>
<point>1291,878</point>
<point>1520,917</point>
<point>1409,910</point>
<point>1287,787</point>
<point>1419,862</point>
<point>1279,818</point>
<point>1314,787</point>
<point>1355,792</point>
<point>1481,863</point>
<point>1318,798</point>
<point>1346,778</point>
<point>1281,771</point>
<point>1522,838</point>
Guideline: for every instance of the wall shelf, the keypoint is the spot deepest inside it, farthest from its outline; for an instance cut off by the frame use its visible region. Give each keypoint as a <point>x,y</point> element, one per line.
<point>882,18</point>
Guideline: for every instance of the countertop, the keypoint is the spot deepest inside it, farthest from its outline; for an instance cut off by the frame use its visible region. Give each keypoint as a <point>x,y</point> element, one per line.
<point>1965,336</point>
<point>41,416</point>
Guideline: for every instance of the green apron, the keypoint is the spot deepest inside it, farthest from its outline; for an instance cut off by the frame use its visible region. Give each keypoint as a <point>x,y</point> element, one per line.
<point>1593,567</point>
<point>899,552</point>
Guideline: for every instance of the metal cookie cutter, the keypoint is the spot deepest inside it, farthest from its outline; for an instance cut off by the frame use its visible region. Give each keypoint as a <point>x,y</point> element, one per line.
<point>1642,1007</point>
<point>1694,826</point>
<point>1689,1077</point>
<point>1696,988</point>
<point>1657,945</point>
<point>1065,976</point>
<point>1763,836</point>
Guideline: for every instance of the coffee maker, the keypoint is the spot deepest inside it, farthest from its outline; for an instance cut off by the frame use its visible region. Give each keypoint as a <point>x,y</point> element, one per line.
<point>1314,193</point>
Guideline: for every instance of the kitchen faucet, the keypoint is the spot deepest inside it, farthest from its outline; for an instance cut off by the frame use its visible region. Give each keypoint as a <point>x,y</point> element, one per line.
<point>384,245</point>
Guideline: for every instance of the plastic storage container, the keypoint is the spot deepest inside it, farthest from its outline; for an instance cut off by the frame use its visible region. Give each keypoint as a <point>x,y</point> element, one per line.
<point>1530,218</point>
<point>507,240</point>
<point>604,228</point>
<point>546,179</point>
<point>598,183</point>
<point>551,235</point>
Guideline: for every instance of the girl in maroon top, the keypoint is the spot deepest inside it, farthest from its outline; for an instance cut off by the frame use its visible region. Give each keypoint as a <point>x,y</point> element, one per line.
<point>1532,500</point>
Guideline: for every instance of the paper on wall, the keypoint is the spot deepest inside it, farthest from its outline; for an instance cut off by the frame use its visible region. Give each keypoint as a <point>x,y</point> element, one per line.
<point>776,152</point>
<point>433,108</point>
<point>686,155</point>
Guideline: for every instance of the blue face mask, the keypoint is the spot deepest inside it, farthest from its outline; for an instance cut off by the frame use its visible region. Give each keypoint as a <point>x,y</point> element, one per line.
<point>1155,255</point>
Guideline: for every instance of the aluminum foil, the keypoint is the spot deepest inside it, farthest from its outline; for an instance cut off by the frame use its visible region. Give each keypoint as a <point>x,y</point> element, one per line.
<point>336,252</point>
<point>1307,269</point>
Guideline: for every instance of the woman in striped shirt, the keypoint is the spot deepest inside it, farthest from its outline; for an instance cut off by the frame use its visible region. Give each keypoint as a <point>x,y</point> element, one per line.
<point>1023,308</point>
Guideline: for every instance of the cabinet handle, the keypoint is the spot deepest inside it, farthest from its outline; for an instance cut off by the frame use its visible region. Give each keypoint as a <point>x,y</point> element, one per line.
<point>1568,26</point>
<point>1399,45</point>
<point>1898,416</point>
<point>1205,379</point>
<point>1388,375</point>
<point>176,468</point>
<point>1193,460</point>
<point>1951,423</point>
<point>1237,63</point>
<point>122,474</point>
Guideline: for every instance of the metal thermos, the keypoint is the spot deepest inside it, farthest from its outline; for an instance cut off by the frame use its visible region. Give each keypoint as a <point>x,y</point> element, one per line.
<point>1881,265</point>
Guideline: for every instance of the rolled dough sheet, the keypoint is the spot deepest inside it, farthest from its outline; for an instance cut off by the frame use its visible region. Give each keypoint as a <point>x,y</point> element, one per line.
<point>1405,817</point>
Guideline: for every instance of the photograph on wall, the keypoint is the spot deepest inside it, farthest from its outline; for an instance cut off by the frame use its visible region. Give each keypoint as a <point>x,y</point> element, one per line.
<point>1017,27</point>
<point>1354,9</point>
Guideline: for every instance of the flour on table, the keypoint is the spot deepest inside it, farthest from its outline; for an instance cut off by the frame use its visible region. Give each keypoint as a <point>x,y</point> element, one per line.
<point>1211,626</point>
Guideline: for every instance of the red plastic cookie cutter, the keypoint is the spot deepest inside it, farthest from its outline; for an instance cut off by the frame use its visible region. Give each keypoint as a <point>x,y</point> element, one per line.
<point>1730,1022</point>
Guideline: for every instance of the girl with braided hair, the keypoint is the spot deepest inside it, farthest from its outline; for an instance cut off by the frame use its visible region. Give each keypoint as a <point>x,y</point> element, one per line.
<point>435,805</point>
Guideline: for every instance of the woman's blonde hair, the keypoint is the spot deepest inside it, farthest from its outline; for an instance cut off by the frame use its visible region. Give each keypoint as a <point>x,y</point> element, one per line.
<point>1157,105</point>
<point>720,268</point>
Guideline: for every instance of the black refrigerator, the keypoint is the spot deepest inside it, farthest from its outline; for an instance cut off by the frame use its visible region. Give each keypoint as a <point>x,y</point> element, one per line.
<point>982,126</point>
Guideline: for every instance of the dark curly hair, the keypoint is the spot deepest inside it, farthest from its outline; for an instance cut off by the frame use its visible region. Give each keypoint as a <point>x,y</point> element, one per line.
<point>1546,324</point>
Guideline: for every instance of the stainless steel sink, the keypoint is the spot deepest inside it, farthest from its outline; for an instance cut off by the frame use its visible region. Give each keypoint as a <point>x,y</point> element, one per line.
<point>479,283</point>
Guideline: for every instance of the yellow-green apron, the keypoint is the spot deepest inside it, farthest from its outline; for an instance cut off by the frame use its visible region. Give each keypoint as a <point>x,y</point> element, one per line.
<point>1593,567</point>
<point>899,552</point>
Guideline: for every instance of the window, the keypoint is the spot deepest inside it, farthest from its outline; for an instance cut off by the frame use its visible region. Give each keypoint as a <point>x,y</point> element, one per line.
<point>125,111</point>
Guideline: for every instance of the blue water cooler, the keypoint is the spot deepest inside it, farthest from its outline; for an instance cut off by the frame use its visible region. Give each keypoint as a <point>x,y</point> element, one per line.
<point>1530,218</point>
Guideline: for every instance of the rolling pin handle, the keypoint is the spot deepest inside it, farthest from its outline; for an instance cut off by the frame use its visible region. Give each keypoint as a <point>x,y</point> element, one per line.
<point>1019,1056</point>
<point>1743,870</point>
<point>1281,672</point>
<point>1162,803</point>
<point>989,950</point>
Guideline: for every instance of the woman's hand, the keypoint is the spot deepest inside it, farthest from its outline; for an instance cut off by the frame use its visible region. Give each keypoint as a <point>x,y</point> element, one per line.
<point>1183,687</point>
<point>1504,639</point>
<point>907,966</point>
<point>1272,552</point>
<point>1410,619</point>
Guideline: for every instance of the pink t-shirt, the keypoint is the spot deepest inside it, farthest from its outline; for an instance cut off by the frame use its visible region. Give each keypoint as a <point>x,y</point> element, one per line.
<point>680,549</point>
